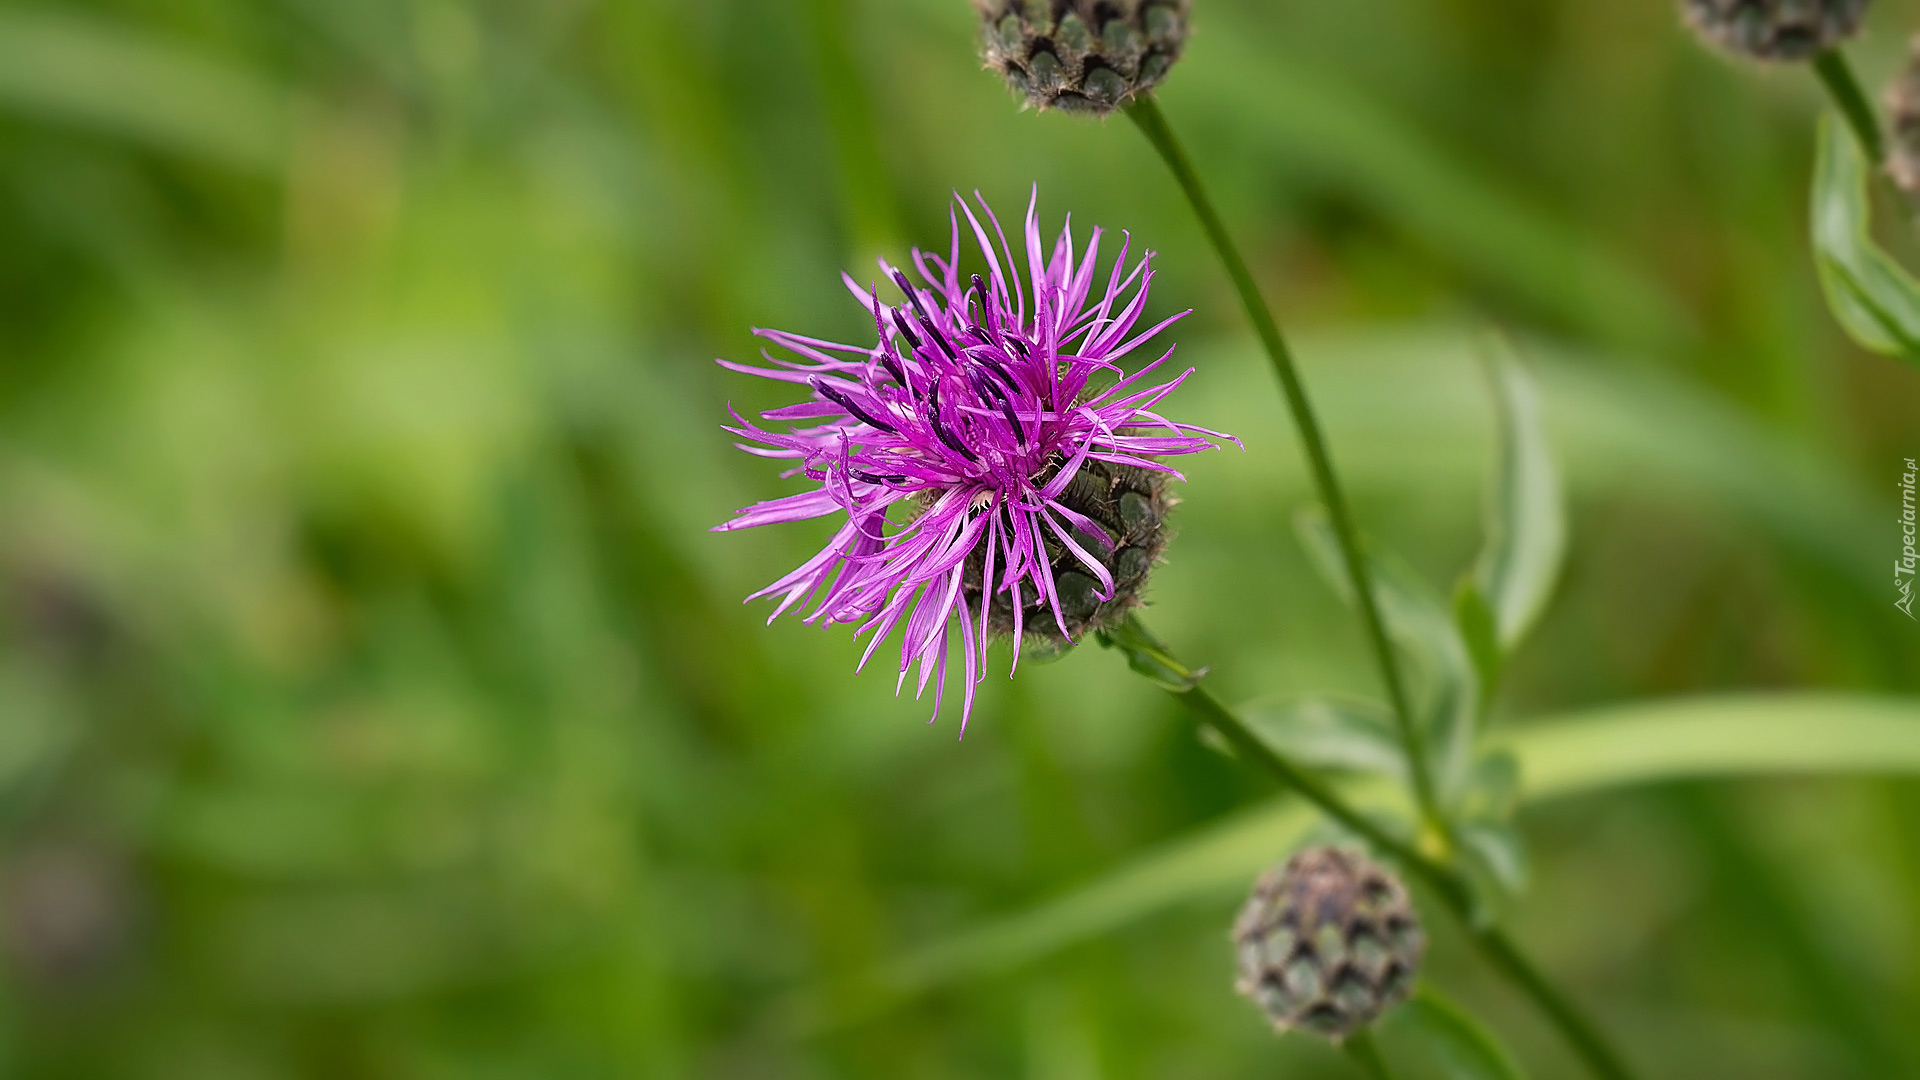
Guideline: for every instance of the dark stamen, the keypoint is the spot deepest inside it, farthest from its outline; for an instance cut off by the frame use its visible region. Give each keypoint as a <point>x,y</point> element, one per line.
<point>926,321</point>
<point>987,389</point>
<point>992,366</point>
<point>986,302</point>
<point>900,324</point>
<point>846,402</point>
<point>940,429</point>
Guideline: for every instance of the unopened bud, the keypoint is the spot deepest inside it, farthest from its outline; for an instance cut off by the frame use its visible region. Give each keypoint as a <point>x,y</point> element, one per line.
<point>1081,55</point>
<point>1129,505</point>
<point>1775,29</point>
<point>1328,943</point>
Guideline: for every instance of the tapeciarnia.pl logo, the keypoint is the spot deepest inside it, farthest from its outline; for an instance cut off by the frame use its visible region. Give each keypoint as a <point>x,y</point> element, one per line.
<point>1903,567</point>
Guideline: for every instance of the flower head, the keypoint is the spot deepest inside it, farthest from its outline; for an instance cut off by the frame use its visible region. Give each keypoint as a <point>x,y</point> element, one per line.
<point>1775,29</point>
<point>1079,55</point>
<point>997,466</point>
<point>1327,943</point>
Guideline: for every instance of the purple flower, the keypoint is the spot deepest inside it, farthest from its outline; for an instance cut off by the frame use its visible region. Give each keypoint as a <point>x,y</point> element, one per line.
<point>995,462</point>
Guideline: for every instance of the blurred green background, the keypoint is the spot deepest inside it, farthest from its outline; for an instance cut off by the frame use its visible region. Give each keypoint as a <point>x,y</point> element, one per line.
<point>374,702</point>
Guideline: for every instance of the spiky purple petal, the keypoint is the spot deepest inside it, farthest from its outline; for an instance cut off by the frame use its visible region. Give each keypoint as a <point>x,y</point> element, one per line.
<point>976,412</point>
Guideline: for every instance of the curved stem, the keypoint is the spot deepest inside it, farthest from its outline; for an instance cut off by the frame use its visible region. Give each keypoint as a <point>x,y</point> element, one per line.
<point>1836,75</point>
<point>1148,656</point>
<point>1366,1054</point>
<point>1146,113</point>
<point>1573,1024</point>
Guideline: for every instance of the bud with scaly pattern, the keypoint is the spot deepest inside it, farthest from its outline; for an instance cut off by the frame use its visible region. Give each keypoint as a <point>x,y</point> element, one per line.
<point>1082,55</point>
<point>1328,943</point>
<point>1775,29</point>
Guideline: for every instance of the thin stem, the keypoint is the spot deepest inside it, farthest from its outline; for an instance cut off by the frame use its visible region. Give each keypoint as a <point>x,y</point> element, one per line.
<point>1366,1054</point>
<point>1148,656</point>
<point>1574,1025</point>
<point>1837,76</point>
<point>1146,113</point>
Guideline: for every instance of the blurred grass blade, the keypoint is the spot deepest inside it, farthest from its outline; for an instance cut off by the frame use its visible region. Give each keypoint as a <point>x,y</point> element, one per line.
<point>1458,1046</point>
<point>1875,300</point>
<point>1526,527</point>
<point>1210,861</point>
<point>1745,735</point>
<point>1325,129</point>
<point>88,71</point>
<point>1710,737</point>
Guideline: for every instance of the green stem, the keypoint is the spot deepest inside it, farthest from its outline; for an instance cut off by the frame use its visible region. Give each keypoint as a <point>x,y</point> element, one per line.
<point>1146,113</point>
<point>1148,656</point>
<point>1366,1054</point>
<point>1837,76</point>
<point>1574,1025</point>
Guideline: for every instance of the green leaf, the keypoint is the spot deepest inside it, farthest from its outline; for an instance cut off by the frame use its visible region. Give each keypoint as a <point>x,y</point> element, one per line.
<point>1498,857</point>
<point>1493,788</point>
<point>1526,526</point>
<point>1330,733</point>
<point>1726,737</point>
<point>1478,632</point>
<point>1445,685</point>
<point>1459,1046</point>
<point>1414,616</point>
<point>1492,849</point>
<point>1875,300</point>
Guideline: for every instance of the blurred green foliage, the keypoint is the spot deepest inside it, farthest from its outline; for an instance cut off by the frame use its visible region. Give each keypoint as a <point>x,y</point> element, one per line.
<point>373,702</point>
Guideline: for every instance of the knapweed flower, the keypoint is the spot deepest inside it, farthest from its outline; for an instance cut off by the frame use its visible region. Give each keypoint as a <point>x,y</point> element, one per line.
<point>997,466</point>
<point>1079,55</point>
<point>1327,943</point>
<point>1775,29</point>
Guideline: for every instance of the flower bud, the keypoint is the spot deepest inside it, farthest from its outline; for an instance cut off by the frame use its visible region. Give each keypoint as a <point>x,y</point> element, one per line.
<point>1328,943</point>
<point>1130,506</point>
<point>1903,124</point>
<point>1775,29</point>
<point>1080,55</point>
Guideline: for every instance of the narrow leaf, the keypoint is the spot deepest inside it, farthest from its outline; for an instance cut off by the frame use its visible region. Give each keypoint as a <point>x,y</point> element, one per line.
<point>1447,685</point>
<point>1699,738</point>
<point>1874,299</point>
<point>1498,854</point>
<point>1526,527</point>
<point>1478,632</point>
<point>1330,733</point>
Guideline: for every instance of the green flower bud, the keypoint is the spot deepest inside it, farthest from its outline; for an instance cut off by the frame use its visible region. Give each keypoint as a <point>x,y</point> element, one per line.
<point>1328,943</point>
<point>1130,506</point>
<point>1081,55</point>
<point>1775,29</point>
